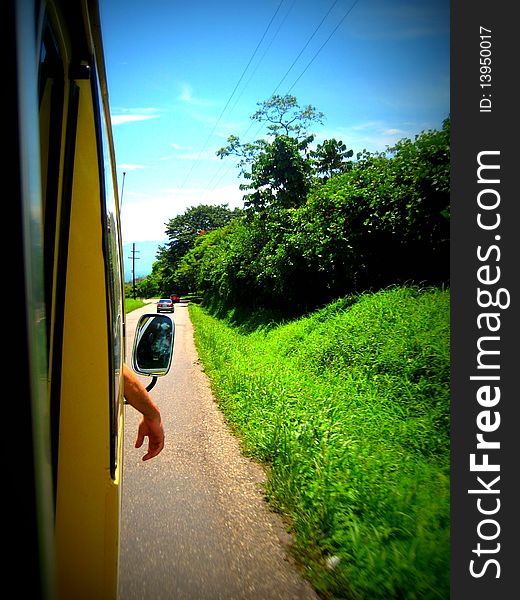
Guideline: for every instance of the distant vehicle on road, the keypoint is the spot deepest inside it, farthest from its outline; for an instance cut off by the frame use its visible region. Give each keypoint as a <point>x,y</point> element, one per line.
<point>165,305</point>
<point>175,298</point>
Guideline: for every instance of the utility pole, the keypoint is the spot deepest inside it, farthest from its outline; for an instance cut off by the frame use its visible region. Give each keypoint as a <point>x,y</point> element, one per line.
<point>122,190</point>
<point>134,258</point>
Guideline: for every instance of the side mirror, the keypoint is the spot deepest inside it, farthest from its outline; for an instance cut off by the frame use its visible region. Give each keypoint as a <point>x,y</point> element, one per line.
<point>153,345</point>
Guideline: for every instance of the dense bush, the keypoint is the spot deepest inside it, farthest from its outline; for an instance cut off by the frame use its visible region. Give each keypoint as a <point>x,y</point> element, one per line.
<point>182,232</point>
<point>384,221</point>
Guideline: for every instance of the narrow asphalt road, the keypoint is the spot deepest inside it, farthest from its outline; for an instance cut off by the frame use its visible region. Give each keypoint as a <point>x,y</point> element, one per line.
<point>195,525</point>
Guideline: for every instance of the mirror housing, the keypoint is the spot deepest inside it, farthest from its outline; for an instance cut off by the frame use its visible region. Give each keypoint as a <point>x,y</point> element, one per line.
<point>153,345</point>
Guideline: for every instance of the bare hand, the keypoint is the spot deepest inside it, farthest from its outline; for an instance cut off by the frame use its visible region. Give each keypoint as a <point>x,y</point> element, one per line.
<point>153,429</point>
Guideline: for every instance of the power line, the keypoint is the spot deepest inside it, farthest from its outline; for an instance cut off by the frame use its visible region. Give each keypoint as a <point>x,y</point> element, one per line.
<point>224,171</point>
<point>323,45</point>
<point>233,92</point>
<point>305,46</point>
<point>292,65</point>
<point>282,22</point>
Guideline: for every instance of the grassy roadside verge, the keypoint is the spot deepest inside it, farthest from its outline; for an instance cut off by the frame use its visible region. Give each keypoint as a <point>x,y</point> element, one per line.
<point>349,408</point>
<point>131,304</point>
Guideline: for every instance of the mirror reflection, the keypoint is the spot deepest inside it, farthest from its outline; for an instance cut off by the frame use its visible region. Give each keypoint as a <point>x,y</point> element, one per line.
<point>153,345</point>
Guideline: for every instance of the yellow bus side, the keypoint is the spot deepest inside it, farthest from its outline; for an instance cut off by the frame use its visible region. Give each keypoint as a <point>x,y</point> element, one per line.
<point>87,508</point>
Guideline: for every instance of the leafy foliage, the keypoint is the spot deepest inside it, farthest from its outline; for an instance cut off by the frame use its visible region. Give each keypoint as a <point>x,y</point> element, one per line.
<point>380,220</point>
<point>331,158</point>
<point>182,231</point>
<point>285,117</point>
<point>278,171</point>
<point>318,223</point>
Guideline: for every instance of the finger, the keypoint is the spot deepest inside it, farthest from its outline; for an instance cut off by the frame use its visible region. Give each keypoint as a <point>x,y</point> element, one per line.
<point>139,440</point>
<point>150,454</point>
<point>154,448</point>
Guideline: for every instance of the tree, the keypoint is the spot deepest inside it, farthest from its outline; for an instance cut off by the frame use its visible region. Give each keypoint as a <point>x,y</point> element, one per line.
<point>183,230</point>
<point>330,158</point>
<point>285,117</point>
<point>278,171</point>
<point>280,175</point>
<point>384,221</point>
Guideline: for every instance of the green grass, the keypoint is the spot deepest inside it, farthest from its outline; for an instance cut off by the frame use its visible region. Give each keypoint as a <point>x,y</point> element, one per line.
<point>131,304</point>
<point>349,409</point>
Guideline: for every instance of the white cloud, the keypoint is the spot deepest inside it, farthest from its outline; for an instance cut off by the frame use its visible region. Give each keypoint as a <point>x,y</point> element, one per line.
<point>132,115</point>
<point>144,218</point>
<point>393,131</point>
<point>121,119</point>
<point>187,96</point>
<point>130,167</point>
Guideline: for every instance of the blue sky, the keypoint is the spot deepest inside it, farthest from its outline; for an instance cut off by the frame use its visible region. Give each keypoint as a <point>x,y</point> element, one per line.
<point>183,76</point>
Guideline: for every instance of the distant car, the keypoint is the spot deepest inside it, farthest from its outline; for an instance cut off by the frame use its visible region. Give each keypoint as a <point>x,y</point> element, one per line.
<point>175,298</point>
<point>165,305</point>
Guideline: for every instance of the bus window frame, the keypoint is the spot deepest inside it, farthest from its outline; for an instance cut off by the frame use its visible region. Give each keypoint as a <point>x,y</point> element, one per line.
<point>113,267</point>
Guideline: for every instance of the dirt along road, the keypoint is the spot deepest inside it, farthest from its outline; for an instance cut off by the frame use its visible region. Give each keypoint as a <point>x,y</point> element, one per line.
<point>195,525</point>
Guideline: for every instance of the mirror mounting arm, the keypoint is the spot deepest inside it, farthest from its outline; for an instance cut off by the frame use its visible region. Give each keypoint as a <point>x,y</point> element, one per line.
<point>151,384</point>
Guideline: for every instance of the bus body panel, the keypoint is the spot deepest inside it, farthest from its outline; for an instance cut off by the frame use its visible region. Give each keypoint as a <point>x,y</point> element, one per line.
<point>69,252</point>
<point>87,525</point>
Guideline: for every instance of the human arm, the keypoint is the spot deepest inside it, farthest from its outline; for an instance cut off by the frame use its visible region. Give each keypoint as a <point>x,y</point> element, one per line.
<point>151,422</point>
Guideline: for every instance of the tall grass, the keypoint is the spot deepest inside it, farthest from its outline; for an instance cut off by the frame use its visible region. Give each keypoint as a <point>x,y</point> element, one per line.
<point>349,408</point>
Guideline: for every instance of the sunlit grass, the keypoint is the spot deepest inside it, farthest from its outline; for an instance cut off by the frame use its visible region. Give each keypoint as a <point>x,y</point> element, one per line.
<point>131,304</point>
<point>349,408</point>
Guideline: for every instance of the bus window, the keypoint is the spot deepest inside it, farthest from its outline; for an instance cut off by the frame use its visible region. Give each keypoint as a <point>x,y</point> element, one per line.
<point>114,275</point>
<point>51,96</point>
